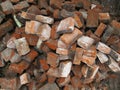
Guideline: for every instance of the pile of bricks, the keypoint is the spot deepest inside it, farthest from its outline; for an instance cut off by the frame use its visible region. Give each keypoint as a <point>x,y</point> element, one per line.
<point>57,45</point>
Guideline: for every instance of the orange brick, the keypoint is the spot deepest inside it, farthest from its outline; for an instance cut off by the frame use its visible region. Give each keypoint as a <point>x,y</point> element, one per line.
<point>100,29</point>
<point>52,44</point>
<point>105,17</point>
<point>44,64</point>
<point>52,59</point>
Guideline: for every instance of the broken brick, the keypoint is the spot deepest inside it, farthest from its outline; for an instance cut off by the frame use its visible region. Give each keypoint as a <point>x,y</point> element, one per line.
<point>52,59</point>
<point>52,44</point>
<point>78,21</point>
<point>44,64</point>
<point>102,57</point>
<point>77,70</point>
<point>66,26</point>
<point>24,78</point>
<point>104,17</point>
<point>85,42</point>
<point>100,29</point>
<point>62,51</point>
<point>22,46</point>
<point>78,56</point>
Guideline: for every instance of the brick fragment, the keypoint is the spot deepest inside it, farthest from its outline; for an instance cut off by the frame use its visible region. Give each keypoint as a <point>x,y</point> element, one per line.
<point>56,14</point>
<point>9,84</point>
<point>84,70</point>
<point>116,26</point>
<point>103,48</point>
<point>61,44</point>
<point>31,55</point>
<point>10,42</point>
<point>26,15</point>
<point>34,10</point>
<point>42,78</point>
<point>52,59</point>
<point>21,5</point>
<point>114,65</point>
<point>104,17</point>
<point>56,3</point>
<point>108,32</point>
<point>62,51</point>
<point>52,44</point>
<point>31,39</point>
<point>44,32</point>
<point>78,56</point>
<point>7,7</point>
<point>22,46</point>
<point>102,57</point>
<point>70,38</point>
<point>94,71</point>
<point>19,67</point>
<point>31,27</point>
<point>10,54</point>
<point>92,19</point>
<point>115,55</point>
<point>85,42</point>
<point>65,68</point>
<point>39,43</point>
<point>44,64</point>
<point>78,21</point>
<point>44,19</point>
<point>24,78</point>
<point>6,27</point>
<point>42,4</point>
<point>66,25</point>
<point>77,71</point>
<point>76,82</point>
<point>63,81</point>
<point>49,86</point>
<point>100,29</point>
<point>64,13</point>
<point>51,79</point>
<point>53,72</point>
<point>89,56</point>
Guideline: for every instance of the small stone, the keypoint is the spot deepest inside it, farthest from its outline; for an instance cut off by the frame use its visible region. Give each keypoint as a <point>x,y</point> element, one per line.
<point>22,46</point>
<point>24,78</point>
<point>102,57</point>
<point>32,27</point>
<point>85,42</point>
<point>44,32</point>
<point>78,56</point>
<point>44,19</point>
<point>66,26</point>
<point>65,68</point>
<point>103,48</point>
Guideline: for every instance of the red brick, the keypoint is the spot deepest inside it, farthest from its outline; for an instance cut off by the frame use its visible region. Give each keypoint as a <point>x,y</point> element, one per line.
<point>56,14</point>
<point>31,55</point>
<point>100,29</point>
<point>52,59</point>
<point>31,39</point>
<point>44,64</point>
<point>76,82</point>
<point>42,78</point>
<point>77,71</point>
<point>52,44</point>
<point>19,67</point>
